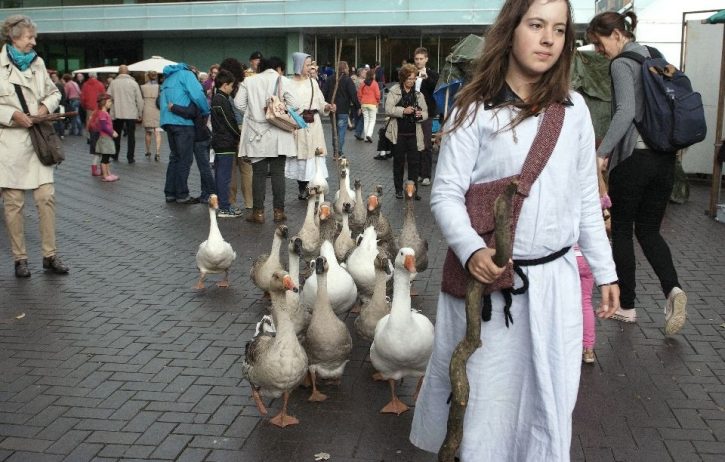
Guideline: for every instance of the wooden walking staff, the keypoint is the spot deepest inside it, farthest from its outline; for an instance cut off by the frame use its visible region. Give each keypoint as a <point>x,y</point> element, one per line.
<point>459,378</point>
<point>333,115</point>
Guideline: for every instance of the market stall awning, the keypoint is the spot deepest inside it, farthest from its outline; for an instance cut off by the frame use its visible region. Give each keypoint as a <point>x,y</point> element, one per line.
<point>98,70</point>
<point>154,63</point>
<point>717,18</point>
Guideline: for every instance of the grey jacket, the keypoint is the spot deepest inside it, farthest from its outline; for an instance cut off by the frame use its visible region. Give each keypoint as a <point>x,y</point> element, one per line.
<point>627,106</point>
<point>127,98</point>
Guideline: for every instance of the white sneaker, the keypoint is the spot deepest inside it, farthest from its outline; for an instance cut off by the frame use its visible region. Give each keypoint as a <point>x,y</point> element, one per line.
<point>675,311</point>
<point>628,316</point>
<point>425,182</point>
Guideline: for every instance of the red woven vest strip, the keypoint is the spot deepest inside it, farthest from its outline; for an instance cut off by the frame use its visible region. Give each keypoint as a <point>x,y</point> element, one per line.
<point>480,198</point>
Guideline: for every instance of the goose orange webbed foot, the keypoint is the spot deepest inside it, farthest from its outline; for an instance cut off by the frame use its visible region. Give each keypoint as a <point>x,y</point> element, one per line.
<point>395,406</point>
<point>317,397</point>
<point>283,420</point>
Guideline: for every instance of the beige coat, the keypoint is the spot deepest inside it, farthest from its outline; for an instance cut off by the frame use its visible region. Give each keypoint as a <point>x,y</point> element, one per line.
<point>259,138</point>
<point>396,112</point>
<point>19,165</point>
<point>151,113</point>
<point>311,138</point>
<point>127,99</point>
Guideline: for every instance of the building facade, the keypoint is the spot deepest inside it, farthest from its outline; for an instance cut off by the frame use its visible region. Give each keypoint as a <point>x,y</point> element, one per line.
<point>78,34</point>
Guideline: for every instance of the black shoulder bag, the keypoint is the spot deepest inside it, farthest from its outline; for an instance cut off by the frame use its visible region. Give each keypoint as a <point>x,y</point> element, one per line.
<point>46,142</point>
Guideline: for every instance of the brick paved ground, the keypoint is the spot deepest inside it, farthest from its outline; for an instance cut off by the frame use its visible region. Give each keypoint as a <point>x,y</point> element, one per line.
<point>122,360</point>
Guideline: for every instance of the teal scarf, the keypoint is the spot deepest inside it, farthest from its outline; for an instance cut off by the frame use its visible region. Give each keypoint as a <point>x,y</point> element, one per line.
<point>21,60</point>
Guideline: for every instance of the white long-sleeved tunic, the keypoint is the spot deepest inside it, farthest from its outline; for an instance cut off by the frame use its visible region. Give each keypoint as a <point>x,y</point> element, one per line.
<point>525,378</point>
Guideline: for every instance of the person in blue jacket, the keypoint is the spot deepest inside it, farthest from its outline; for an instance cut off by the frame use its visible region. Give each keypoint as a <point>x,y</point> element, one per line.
<point>182,88</point>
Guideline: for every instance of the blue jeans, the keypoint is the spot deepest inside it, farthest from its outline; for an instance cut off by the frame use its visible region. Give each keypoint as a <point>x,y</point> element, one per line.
<point>201,154</point>
<point>341,130</point>
<point>181,144</point>
<point>359,125</point>
<point>223,165</point>
<point>76,126</point>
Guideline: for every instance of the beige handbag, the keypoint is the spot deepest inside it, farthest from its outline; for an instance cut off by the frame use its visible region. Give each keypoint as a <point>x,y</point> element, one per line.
<point>277,113</point>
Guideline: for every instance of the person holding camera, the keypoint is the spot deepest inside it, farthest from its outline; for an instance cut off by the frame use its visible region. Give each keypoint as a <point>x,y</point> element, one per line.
<point>407,110</point>
<point>426,84</point>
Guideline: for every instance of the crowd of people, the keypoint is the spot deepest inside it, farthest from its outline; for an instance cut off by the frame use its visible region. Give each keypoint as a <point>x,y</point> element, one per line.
<point>519,84</point>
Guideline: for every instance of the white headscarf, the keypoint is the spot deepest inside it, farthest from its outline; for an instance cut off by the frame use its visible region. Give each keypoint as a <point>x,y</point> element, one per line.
<point>298,62</point>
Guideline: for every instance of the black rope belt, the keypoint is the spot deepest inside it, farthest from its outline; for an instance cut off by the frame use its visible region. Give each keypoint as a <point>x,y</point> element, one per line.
<point>507,293</point>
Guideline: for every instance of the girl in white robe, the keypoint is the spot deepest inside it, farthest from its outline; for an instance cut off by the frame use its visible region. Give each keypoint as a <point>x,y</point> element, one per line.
<point>525,377</point>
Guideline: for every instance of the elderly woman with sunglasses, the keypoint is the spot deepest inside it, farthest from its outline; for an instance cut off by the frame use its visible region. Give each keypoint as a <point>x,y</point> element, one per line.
<point>22,70</point>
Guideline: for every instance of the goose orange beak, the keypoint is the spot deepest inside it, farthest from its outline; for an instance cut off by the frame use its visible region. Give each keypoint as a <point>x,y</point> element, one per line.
<point>410,263</point>
<point>289,284</point>
<point>372,203</point>
<point>324,212</point>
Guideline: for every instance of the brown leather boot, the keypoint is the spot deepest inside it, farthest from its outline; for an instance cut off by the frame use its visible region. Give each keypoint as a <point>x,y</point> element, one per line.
<point>256,216</point>
<point>279,215</point>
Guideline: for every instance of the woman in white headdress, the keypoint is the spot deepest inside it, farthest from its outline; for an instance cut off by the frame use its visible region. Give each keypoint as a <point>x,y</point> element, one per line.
<point>311,139</point>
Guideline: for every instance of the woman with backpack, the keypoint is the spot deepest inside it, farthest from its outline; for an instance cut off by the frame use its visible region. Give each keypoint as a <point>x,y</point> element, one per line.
<point>640,178</point>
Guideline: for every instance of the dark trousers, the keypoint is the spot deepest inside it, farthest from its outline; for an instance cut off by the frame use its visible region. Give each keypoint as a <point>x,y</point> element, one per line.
<point>129,125</point>
<point>223,165</point>
<point>426,156</point>
<point>405,151</point>
<point>640,188</point>
<point>275,166</point>
<point>181,156</point>
<point>201,154</point>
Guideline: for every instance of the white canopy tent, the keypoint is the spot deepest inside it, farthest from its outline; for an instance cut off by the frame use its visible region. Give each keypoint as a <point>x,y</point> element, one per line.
<point>98,70</point>
<point>154,63</point>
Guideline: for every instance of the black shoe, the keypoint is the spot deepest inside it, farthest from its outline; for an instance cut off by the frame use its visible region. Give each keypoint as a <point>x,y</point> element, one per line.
<point>170,199</point>
<point>21,269</point>
<point>389,156</point>
<point>417,197</point>
<point>188,200</point>
<point>304,195</point>
<point>359,138</point>
<point>131,161</point>
<point>380,158</point>
<point>55,264</point>
<point>368,139</point>
<point>399,194</point>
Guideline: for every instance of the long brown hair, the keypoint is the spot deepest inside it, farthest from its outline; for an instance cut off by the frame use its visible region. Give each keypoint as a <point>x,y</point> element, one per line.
<point>604,24</point>
<point>489,74</point>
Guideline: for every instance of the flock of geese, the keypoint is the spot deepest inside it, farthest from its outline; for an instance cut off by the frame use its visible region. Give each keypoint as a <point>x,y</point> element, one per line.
<point>352,254</point>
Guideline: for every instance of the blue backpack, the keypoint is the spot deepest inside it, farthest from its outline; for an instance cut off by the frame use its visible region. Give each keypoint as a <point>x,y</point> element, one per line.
<point>674,117</point>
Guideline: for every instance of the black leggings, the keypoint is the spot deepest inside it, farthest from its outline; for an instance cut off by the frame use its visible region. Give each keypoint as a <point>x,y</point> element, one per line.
<point>105,158</point>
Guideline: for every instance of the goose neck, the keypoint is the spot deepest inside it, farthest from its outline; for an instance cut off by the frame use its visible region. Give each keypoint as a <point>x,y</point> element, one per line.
<point>400,309</point>
<point>294,267</point>
<point>213,225</point>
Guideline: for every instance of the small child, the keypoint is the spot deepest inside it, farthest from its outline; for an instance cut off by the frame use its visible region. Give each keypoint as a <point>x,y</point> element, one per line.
<point>225,141</point>
<point>586,279</point>
<point>101,123</point>
<point>92,140</point>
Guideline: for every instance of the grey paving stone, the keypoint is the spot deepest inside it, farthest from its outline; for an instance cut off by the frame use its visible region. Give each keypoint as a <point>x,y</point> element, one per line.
<point>122,360</point>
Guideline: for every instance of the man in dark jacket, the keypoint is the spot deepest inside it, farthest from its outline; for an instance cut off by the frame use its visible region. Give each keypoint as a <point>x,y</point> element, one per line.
<point>345,100</point>
<point>426,85</point>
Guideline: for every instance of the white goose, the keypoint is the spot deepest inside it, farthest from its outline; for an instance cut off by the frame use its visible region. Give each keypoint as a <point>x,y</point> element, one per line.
<point>310,231</point>
<point>403,339</point>
<point>328,342</point>
<point>341,288</point>
<point>344,242</point>
<point>382,226</point>
<point>265,265</point>
<point>215,255</point>
<point>379,304</point>
<point>409,236</point>
<point>299,315</point>
<point>359,213</point>
<point>274,361</point>
<point>360,263</point>
<point>344,194</point>
<point>319,180</point>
